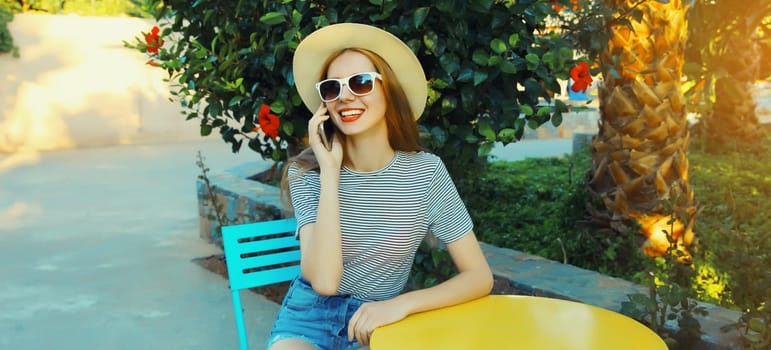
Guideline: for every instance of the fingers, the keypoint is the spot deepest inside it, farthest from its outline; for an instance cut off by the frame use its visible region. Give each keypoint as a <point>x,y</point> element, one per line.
<point>357,328</point>
<point>313,125</point>
<point>361,325</point>
<point>352,325</point>
<point>319,117</point>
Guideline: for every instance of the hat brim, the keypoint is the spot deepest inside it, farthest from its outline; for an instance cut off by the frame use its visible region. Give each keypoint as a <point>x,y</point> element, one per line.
<point>314,50</point>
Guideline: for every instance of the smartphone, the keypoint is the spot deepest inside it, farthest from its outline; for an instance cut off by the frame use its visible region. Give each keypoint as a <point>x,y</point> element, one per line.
<point>326,131</point>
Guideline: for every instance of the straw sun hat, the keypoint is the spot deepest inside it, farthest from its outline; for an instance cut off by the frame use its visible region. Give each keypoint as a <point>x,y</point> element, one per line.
<point>314,50</point>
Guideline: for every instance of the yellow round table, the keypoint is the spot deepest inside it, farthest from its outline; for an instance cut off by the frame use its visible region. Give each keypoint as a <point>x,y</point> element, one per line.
<point>517,322</point>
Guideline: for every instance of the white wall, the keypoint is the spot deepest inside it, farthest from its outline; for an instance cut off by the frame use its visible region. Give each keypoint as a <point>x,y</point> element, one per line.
<point>75,85</point>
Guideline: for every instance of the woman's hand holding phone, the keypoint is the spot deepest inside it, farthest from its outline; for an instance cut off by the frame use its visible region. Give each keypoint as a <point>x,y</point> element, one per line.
<point>327,132</point>
<point>323,139</point>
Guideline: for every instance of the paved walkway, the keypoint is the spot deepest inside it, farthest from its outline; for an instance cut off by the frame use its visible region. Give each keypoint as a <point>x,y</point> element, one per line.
<point>96,247</point>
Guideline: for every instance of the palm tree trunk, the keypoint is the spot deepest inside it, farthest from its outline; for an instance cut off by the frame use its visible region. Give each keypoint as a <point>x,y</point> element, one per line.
<point>733,123</point>
<point>640,153</point>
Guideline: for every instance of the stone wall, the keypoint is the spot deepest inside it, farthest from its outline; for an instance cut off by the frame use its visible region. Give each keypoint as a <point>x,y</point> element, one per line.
<point>245,200</point>
<point>240,200</point>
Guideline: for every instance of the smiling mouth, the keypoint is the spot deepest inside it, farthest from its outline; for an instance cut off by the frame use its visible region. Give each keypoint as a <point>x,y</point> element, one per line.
<point>350,115</point>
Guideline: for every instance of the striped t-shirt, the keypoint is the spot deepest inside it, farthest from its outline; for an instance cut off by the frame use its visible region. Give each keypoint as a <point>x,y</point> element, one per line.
<point>384,215</point>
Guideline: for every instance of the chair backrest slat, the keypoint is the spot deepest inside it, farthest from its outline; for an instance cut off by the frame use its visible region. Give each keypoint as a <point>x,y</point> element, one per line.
<point>267,277</point>
<point>243,267</point>
<point>264,245</point>
<point>259,254</point>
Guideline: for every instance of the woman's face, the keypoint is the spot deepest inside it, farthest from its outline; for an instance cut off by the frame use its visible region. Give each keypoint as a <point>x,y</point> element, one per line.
<point>356,115</point>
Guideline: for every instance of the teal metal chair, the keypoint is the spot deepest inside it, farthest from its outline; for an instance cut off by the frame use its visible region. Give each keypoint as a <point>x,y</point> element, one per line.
<point>259,254</point>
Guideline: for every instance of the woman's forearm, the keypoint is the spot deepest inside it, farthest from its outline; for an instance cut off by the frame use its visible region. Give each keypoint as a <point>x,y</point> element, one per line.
<point>465,286</point>
<point>322,257</point>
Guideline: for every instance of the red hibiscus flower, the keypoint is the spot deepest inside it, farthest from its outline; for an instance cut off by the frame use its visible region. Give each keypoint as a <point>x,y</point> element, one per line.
<point>269,122</point>
<point>153,40</point>
<point>581,76</point>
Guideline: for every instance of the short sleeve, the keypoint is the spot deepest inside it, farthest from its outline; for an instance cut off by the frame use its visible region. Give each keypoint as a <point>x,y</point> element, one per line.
<point>304,193</point>
<point>448,218</point>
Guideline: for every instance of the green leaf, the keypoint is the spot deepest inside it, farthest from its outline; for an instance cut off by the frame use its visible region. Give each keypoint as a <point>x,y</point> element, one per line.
<point>532,61</point>
<point>205,129</point>
<point>556,119</point>
<point>508,67</point>
<point>465,75</point>
<point>439,84</point>
<point>235,101</point>
<point>498,46</point>
<point>548,58</point>
<point>297,16</point>
<point>513,40</point>
<point>420,15</point>
<point>480,57</point>
<point>439,134</point>
<point>507,135</point>
<point>450,63</point>
<point>215,107</point>
<point>485,149</point>
<point>565,53</point>
<point>543,111</point>
<point>479,77</point>
<point>278,107</point>
<point>436,257</point>
<point>486,130</point>
<point>433,96</point>
<point>430,39</point>
<point>288,128</point>
<point>273,18</point>
<point>532,124</point>
<point>560,106</point>
<point>449,103</point>
<point>526,110</point>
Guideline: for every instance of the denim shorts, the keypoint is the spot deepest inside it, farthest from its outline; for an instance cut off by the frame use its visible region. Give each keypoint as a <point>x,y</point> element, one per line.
<point>316,319</point>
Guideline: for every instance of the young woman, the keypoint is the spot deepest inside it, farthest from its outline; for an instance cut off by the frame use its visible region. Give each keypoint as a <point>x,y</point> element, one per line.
<point>365,203</point>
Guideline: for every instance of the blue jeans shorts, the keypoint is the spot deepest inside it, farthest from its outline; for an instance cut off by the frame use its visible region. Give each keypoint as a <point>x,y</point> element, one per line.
<point>316,319</point>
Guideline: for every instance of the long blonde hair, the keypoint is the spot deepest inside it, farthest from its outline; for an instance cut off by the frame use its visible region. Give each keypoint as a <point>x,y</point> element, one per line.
<point>402,128</point>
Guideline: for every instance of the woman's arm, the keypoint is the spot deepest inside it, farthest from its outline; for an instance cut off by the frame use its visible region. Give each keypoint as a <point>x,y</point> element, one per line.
<point>321,260</point>
<point>474,280</point>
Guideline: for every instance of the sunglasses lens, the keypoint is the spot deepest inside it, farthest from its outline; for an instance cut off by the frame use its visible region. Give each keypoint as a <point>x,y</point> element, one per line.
<point>329,90</point>
<point>361,83</point>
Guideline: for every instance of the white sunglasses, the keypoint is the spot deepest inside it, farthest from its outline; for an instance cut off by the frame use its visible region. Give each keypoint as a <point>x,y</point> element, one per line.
<point>359,84</point>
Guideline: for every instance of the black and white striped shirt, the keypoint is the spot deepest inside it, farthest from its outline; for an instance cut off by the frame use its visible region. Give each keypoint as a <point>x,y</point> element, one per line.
<point>384,215</point>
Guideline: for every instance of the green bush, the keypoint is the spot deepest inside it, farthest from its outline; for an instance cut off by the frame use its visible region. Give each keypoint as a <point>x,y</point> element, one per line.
<point>537,206</point>
<point>489,63</point>
<point>7,9</point>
